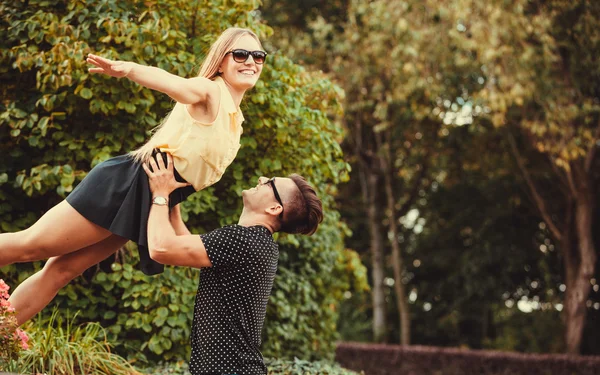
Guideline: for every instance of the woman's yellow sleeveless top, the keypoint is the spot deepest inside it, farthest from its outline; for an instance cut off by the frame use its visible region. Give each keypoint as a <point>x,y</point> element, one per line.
<point>201,152</point>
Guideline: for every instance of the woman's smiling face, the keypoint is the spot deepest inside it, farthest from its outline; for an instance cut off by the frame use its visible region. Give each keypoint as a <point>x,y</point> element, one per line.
<point>244,75</point>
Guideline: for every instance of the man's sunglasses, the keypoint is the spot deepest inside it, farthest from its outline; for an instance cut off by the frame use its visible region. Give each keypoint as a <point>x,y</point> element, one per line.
<point>241,55</point>
<point>271,182</point>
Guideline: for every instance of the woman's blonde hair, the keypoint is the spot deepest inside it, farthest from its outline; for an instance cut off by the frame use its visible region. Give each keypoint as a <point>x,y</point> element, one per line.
<point>209,69</point>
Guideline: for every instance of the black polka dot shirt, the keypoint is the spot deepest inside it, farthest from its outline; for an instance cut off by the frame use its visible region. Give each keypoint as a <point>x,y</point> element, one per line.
<point>232,300</point>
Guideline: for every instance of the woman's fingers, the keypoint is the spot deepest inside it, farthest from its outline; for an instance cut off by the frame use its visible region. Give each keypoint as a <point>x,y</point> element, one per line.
<point>113,68</point>
<point>99,59</point>
<point>92,61</point>
<point>105,66</point>
<point>98,62</point>
<point>100,67</point>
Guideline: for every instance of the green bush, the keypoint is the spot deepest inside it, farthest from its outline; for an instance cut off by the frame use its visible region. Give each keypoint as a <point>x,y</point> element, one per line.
<point>57,121</point>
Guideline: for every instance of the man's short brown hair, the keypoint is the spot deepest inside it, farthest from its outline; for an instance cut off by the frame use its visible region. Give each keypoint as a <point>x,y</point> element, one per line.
<point>304,211</point>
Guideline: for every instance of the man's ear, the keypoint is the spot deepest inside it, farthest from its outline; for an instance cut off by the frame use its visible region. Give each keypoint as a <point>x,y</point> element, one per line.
<point>274,210</point>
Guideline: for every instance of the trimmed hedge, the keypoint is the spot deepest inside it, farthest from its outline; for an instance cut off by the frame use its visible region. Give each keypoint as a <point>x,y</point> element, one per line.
<point>378,359</point>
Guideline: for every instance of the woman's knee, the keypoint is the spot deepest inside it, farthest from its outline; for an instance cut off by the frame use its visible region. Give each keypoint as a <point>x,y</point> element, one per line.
<point>49,237</point>
<point>33,244</point>
<point>27,246</point>
<point>60,272</point>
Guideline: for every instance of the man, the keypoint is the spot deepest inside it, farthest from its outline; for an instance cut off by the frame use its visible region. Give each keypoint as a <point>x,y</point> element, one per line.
<point>237,262</point>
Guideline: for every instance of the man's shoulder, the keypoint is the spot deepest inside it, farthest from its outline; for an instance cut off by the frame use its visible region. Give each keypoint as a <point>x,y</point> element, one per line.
<point>233,230</point>
<point>251,231</point>
<point>241,233</point>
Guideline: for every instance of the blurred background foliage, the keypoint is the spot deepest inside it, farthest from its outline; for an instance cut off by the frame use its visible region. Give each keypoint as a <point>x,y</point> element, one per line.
<point>472,130</point>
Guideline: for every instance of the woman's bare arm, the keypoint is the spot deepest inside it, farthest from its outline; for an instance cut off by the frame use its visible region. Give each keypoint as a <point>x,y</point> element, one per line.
<point>183,90</point>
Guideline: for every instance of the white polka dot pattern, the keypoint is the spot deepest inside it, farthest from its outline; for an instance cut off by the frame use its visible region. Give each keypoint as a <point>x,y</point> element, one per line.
<point>231,303</point>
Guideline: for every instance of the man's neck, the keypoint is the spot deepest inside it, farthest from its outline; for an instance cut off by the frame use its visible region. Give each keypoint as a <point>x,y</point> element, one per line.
<point>249,220</point>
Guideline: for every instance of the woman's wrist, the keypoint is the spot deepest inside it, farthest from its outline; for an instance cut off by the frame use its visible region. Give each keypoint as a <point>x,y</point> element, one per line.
<point>130,72</point>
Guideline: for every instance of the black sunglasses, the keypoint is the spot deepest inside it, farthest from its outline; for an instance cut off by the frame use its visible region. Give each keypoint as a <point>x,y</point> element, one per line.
<point>271,182</point>
<point>241,55</point>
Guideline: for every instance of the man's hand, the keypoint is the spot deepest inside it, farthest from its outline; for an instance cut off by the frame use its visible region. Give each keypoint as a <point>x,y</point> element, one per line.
<point>161,178</point>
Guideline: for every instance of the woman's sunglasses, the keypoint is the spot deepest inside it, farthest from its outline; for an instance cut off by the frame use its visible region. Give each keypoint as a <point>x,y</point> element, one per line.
<point>241,55</point>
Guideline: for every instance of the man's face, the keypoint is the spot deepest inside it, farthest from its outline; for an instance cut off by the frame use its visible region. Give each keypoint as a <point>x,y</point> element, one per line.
<point>262,196</point>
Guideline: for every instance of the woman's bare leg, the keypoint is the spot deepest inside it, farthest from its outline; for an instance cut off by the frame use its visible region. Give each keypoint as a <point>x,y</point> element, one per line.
<point>37,291</point>
<point>59,231</point>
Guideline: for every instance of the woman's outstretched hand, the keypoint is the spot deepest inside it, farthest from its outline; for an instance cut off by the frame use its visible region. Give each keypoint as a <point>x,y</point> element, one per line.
<point>113,68</point>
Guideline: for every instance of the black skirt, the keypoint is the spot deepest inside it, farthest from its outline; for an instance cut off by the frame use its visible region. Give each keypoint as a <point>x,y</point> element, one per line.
<point>116,196</point>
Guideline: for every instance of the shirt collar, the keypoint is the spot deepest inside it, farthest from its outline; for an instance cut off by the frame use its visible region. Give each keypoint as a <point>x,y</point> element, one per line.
<point>262,229</point>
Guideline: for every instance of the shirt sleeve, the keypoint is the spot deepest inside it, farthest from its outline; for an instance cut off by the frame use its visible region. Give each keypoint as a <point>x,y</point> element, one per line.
<point>226,246</point>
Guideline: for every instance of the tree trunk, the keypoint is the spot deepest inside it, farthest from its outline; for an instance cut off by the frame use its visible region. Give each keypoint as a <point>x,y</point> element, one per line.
<point>580,267</point>
<point>397,263</point>
<point>368,185</point>
<point>576,239</point>
<point>377,267</point>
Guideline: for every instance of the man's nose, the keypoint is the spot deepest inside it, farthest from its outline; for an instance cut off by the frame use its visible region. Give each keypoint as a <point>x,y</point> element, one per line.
<point>262,180</point>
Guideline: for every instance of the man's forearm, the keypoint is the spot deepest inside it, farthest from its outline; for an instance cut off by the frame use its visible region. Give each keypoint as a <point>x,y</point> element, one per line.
<point>177,222</point>
<point>160,230</point>
<point>166,247</point>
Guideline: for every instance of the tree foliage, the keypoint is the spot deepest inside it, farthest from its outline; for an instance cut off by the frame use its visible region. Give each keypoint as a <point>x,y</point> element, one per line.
<point>510,91</point>
<point>541,82</point>
<point>57,122</point>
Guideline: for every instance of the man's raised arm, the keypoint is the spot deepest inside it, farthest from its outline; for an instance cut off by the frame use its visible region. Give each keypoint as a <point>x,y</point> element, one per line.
<point>164,243</point>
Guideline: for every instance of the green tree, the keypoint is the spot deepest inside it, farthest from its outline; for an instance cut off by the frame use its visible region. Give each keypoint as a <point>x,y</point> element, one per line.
<point>539,62</point>
<point>57,122</point>
<point>525,69</point>
<point>477,231</point>
<point>395,137</point>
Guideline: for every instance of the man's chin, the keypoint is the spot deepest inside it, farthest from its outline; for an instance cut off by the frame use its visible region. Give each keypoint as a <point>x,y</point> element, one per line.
<point>245,195</point>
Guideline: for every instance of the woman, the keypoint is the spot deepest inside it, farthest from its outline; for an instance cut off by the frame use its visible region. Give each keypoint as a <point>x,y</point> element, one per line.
<point>110,206</point>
